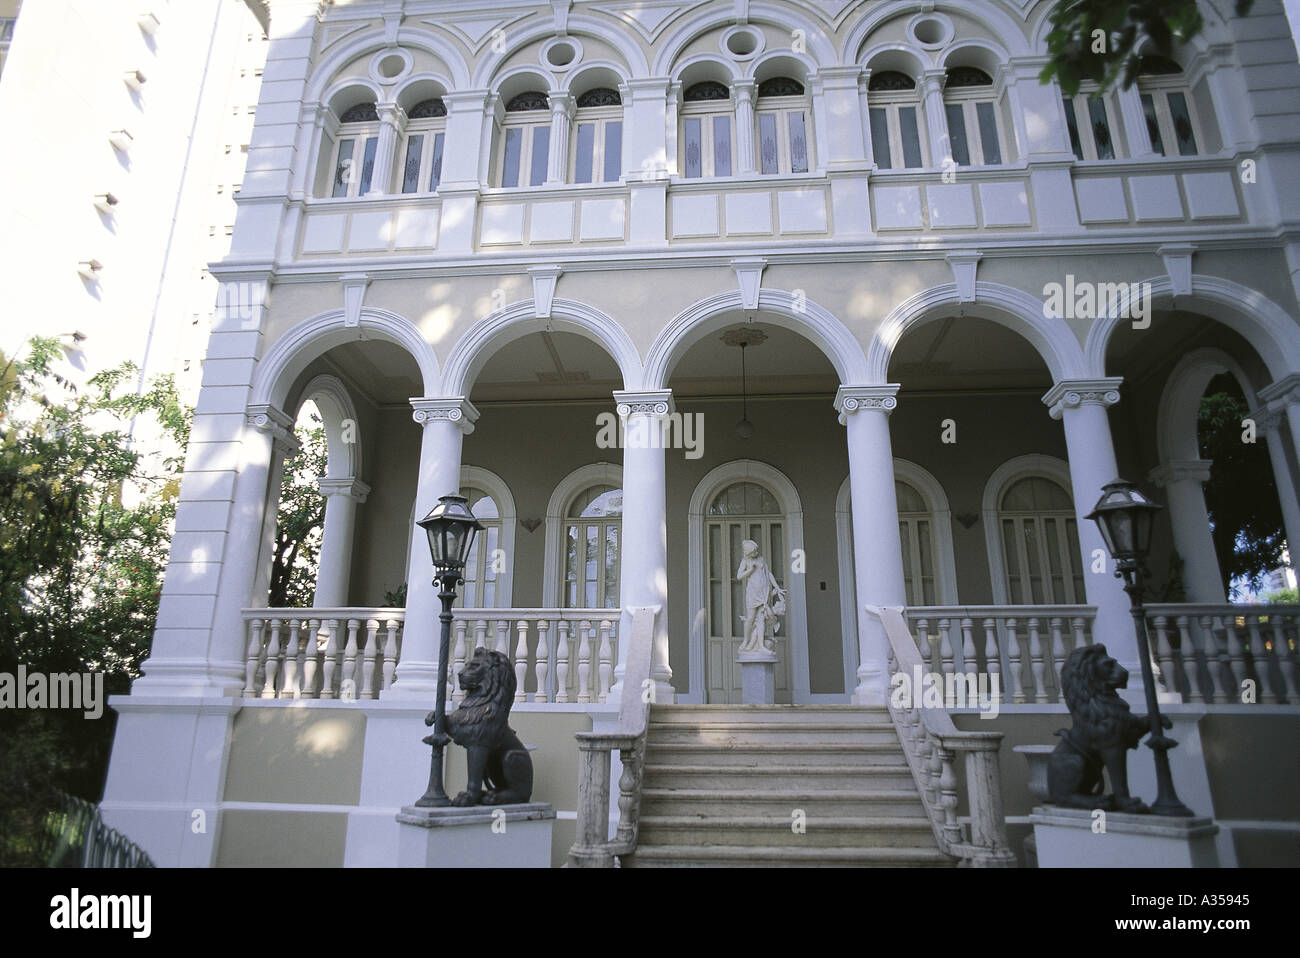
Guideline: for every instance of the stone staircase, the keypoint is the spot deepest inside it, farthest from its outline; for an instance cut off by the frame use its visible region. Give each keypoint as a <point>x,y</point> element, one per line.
<point>722,785</point>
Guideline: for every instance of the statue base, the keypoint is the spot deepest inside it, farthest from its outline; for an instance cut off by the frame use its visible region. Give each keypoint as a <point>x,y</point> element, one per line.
<point>481,836</point>
<point>757,678</point>
<point>1064,838</point>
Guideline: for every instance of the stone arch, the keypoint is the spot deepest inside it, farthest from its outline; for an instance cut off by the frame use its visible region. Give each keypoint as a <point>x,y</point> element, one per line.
<point>368,41</point>
<point>634,61</point>
<point>797,314</point>
<point>705,66</point>
<point>988,15</point>
<point>303,342</point>
<point>608,73</point>
<point>1269,329</point>
<point>806,64</point>
<point>820,48</point>
<point>1176,417</point>
<point>342,428</point>
<point>1019,467</point>
<point>1015,309</point>
<point>497,488</point>
<point>776,481</point>
<point>975,51</point>
<point>505,325</point>
<point>896,56</point>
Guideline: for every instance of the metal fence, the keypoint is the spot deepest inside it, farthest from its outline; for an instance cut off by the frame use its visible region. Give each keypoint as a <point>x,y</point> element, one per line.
<point>75,836</point>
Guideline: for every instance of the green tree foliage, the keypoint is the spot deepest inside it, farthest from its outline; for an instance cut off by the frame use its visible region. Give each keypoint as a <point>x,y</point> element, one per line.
<point>85,529</point>
<point>301,519</point>
<point>1245,515</point>
<point>1100,40</point>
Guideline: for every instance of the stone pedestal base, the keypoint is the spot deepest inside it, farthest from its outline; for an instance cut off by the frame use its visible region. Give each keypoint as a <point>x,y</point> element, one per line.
<point>485,836</point>
<point>757,678</point>
<point>1065,839</point>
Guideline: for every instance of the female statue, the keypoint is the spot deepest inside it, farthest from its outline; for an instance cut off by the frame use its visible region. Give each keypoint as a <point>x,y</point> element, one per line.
<point>764,600</point>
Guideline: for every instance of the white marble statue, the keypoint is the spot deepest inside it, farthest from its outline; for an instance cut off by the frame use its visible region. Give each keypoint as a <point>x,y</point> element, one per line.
<point>764,601</point>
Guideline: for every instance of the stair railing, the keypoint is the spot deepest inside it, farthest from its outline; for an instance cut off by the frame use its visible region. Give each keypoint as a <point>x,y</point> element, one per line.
<point>593,847</point>
<point>931,743</point>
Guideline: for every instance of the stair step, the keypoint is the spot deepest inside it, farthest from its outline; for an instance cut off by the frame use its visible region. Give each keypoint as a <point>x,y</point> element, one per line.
<point>724,804</point>
<point>851,754</point>
<point>809,777</point>
<point>851,715</point>
<point>725,733</point>
<point>819,831</point>
<point>769,856</point>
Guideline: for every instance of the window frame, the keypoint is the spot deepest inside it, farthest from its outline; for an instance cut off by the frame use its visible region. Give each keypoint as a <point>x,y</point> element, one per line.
<point>1088,144</point>
<point>601,117</point>
<point>1159,87</point>
<point>782,108</point>
<point>527,122</point>
<point>431,128</point>
<point>968,99</point>
<point>602,525</point>
<point>699,110</point>
<point>891,101</point>
<point>358,133</point>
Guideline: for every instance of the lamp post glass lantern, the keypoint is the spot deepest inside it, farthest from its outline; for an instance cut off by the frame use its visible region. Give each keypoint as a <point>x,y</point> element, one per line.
<point>450,526</point>
<point>1125,517</point>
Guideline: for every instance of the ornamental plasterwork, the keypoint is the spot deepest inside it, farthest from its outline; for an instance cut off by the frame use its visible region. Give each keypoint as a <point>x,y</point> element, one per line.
<point>1073,393</point>
<point>459,411</point>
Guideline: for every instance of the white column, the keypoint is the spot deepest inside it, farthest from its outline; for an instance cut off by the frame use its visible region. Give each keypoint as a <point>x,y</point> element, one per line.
<point>1268,421</point>
<point>643,552</point>
<point>877,551</point>
<point>1082,405</point>
<point>392,120</point>
<point>1283,397</point>
<point>334,570</point>
<point>446,422</point>
<point>1135,122</point>
<point>557,160</point>
<point>1183,481</point>
<point>936,118</point>
<point>284,446</point>
<point>742,95</point>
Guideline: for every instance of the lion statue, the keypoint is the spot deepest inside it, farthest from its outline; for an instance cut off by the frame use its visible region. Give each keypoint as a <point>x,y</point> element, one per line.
<point>496,757</point>
<point>1103,730</point>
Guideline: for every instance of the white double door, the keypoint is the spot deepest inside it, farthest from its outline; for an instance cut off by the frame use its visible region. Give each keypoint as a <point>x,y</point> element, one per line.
<point>725,598</point>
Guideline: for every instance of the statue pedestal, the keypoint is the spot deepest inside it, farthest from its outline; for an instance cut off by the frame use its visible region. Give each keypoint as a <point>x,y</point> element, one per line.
<point>1065,839</point>
<point>757,678</point>
<point>483,836</point>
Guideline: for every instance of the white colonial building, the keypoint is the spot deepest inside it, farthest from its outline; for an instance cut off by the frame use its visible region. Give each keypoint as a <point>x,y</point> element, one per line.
<point>471,232</point>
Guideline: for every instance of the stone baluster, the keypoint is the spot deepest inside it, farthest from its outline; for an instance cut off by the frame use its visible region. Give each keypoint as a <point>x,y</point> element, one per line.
<point>1014,664</point>
<point>1236,657</point>
<point>1081,638</point>
<point>543,667</point>
<point>311,646</point>
<point>562,662</point>
<point>351,689</point>
<point>1165,651</point>
<point>948,795</point>
<point>1191,661</point>
<point>605,664</point>
<point>1037,667</point>
<point>584,661</point>
<point>368,660</point>
<point>390,654</point>
<point>503,637</point>
<point>1285,658</point>
<point>1259,656</point>
<point>521,660</point>
<point>254,657</point>
<point>272,660</point>
<point>945,646</point>
<point>1214,653</point>
<point>1058,655</point>
<point>332,650</point>
<point>968,660</point>
<point>459,653</point>
<point>992,661</point>
<point>480,634</point>
<point>289,688</point>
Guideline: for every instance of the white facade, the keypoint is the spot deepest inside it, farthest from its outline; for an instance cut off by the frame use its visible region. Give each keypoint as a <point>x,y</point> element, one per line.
<point>505,220</point>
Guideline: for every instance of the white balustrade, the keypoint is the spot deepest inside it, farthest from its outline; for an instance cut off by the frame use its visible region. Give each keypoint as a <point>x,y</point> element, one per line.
<point>560,655</point>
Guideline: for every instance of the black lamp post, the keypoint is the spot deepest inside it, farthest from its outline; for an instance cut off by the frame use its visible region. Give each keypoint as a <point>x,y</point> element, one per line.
<point>1125,517</point>
<point>451,527</point>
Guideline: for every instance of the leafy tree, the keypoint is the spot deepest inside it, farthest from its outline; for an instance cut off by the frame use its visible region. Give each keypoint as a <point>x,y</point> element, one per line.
<point>85,528</point>
<point>1099,40</point>
<point>301,519</point>
<point>1242,500</point>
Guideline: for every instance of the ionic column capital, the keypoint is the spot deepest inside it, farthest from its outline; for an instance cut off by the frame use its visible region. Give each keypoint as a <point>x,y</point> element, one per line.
<point>349,488</point>
<point>1176,470</point>
<point>562,103</point>
<point>456,410</point>
<point>1073,393</point>
<point>1284,392</point>
<point>392,114</point>
<point>1267,417</point>
<point>272,421</point>
<point>852,399</point>
<point>644,402</point>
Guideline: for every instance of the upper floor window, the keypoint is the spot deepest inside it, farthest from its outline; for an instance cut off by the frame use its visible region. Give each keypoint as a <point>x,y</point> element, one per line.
<point>1088,120</point>
<point>893,113</point>
<point>425,136</point>
<point>1170,116</point>
<point>707,130</point>
<point>598,137</point>
<point>525,140</point>
<point>974,126</point>
<point>782,126</point>
<point>354,152</point>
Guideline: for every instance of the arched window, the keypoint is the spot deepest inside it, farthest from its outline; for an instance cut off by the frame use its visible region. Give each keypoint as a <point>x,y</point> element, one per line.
<point>707,130</point>
<point>1170,111</point>
<point>1040,543</point>
<point>425,132</point>
<point>974,122</point>
<point>916,533</point>
<point>525,140</point>
<point>893,113</point>
<point>483,565</point>
<point>783,110</point>
<point>354,151</point>
<point>1088,120</point>
<point>594,527</point>
<point>598,137</point>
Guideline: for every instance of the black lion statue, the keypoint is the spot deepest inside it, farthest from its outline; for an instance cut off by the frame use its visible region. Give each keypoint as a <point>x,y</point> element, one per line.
<point>496,757</point>
<point>1103,730</point>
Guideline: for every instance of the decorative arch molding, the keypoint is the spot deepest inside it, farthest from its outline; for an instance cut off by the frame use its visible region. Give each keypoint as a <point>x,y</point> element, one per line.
<point>797,314</point>
<point>496,487</point>
<point>820,47</point>
<point>988,15</point>
<point>1007,306</point>
<point>557,508</point>
<point>749,470</point>
<point>1021,467</point>
<point>809,65</point>
<point>368,41</point>
<point>348,83</point>
<point>331,396</point>
<point>1270,330</point>
<point>573,79</point>
<point>306,340</point>
<point>1176,417</point>
<point>730,72</point>
<point>992,54</point>
<point>579,25</point>
<point>509,323</point>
